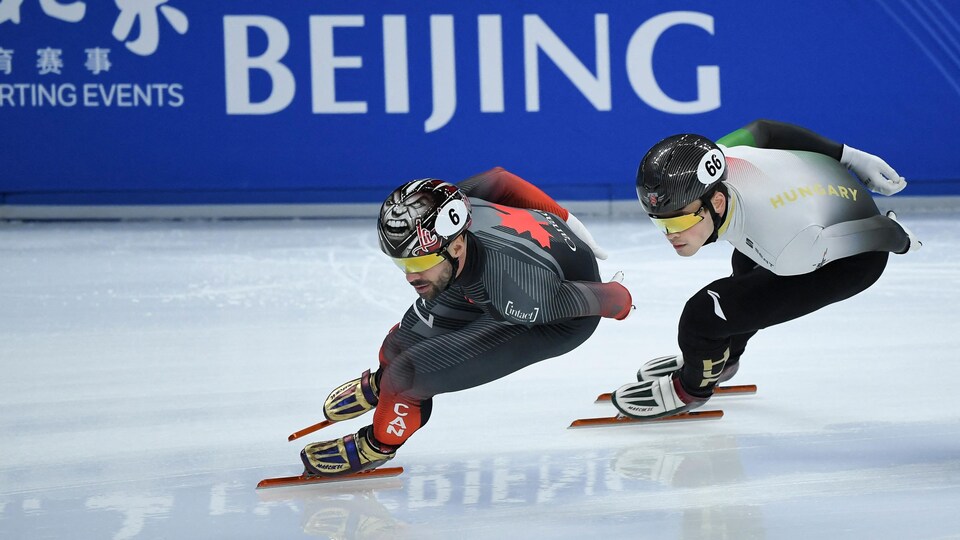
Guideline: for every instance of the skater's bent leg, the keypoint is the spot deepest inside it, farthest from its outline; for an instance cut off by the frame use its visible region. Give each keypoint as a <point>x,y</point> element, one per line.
<point>500,355</point>
<point>397,418</point>
<point>719,319</point>
<point>442,364</point>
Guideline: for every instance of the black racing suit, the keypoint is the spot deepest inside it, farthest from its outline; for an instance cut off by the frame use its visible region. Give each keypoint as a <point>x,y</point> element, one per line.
<point>529,290</point>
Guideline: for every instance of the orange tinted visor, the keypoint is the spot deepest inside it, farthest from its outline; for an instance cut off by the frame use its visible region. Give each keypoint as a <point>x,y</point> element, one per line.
<point>677,224</point>
<point>413,265</point>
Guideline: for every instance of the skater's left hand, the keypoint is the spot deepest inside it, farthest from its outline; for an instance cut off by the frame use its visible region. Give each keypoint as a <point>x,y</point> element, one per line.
<point>872,171</point>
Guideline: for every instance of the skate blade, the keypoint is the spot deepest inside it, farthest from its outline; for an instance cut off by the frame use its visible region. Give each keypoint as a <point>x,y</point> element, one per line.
<point>308,430</point>
<point>286,481</point>
<point>624,420</point>
<point>734,390</point>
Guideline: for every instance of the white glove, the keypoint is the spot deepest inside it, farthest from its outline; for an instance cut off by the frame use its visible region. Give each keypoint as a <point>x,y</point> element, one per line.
<point>915,242</point>
<point>582,233</point>
<point>872,171</point>
<point>653,399</point>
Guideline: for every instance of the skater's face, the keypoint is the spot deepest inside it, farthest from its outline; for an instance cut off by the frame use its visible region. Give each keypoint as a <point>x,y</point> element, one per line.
<point>430,282</point>
<point>688,241</point>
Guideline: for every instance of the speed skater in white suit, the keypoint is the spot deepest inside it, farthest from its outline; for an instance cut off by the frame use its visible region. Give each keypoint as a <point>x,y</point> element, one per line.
<point>805,232</point>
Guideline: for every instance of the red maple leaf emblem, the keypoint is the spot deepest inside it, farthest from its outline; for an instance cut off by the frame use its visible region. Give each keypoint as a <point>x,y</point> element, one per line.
<point>523,221</point>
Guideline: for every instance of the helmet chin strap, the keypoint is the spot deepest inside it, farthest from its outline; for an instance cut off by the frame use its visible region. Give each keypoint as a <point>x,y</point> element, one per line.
<point>716,225</point>
<point>455,262</point>
<point>456,266</point>
<point>717,218</point>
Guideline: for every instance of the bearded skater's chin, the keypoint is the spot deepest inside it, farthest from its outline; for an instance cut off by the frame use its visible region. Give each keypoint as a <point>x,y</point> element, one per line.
<point>422,288</point>
<point>426,292</point>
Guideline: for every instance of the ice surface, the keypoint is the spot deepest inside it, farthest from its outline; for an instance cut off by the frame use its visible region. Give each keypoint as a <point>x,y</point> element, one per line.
<point>152,371</point>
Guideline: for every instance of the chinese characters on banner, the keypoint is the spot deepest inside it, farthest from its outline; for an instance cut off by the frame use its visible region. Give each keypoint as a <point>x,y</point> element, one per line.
<point>146,13</point>
<point>52,61</point>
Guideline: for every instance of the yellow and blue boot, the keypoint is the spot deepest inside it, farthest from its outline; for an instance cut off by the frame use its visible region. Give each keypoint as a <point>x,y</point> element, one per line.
<point>347,455</point>
<point>353,398</point>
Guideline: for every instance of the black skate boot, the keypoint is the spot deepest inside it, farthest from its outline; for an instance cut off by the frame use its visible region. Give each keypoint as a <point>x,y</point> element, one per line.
<point>666,365</point>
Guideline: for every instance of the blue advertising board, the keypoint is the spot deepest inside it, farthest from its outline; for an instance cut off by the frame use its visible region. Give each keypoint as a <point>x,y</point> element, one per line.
<point>136,102</point>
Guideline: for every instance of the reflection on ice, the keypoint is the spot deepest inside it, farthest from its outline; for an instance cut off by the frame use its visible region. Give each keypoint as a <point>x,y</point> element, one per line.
<point>715,486</point>
<point>134,508</point>
<point>686,487</point>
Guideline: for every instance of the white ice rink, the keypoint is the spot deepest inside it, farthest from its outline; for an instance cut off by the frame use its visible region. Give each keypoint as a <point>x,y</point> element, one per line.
<point>152,371</point>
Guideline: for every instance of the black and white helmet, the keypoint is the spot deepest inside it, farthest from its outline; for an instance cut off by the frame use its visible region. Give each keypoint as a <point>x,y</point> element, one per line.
<point>421,218</point>
<point>677,171</point>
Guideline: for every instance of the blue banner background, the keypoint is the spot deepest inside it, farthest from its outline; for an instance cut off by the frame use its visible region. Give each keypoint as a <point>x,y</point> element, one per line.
<point>883,76</point>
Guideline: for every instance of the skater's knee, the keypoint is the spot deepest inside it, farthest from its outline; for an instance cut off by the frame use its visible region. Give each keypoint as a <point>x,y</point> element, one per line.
<point>390,347</point>
<point>703,318</point>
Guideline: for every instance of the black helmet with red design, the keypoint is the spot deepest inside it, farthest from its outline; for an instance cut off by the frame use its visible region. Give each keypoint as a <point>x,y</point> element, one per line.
<point>419,220</point>
<point>677,171</point>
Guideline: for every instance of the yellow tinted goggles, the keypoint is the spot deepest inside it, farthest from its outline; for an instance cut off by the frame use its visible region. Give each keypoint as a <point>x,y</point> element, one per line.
<point>675,224</point>
<point>413,265</point>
